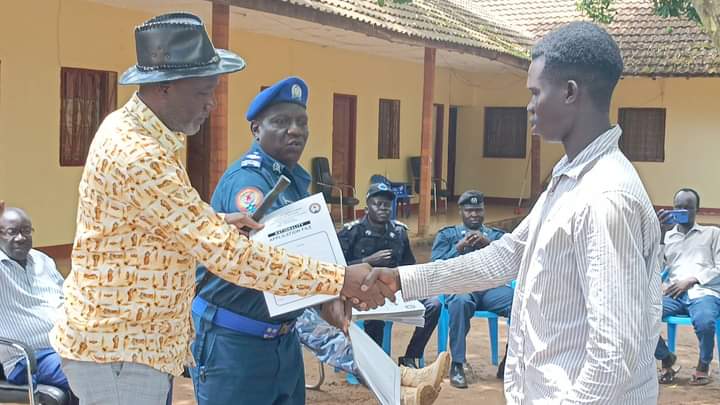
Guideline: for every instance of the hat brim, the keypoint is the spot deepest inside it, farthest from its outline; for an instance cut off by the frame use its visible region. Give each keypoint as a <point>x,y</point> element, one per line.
<point>229,63</point>
<point>386,193</point>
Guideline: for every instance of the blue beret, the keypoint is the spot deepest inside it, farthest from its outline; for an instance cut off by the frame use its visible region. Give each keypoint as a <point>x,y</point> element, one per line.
<point>289,90</point>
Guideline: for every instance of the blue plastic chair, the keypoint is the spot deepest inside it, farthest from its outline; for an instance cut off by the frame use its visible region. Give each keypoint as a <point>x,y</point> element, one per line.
<point>674,320</point>
<point>444,329</point>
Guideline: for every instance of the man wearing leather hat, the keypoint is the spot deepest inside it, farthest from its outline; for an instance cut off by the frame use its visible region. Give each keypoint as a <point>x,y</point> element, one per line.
<point>125,326</point>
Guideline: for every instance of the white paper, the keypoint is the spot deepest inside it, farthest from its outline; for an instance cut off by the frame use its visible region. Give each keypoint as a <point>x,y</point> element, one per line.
<point>305,228</point>
<point>379,371</point>
<point>409,312</point>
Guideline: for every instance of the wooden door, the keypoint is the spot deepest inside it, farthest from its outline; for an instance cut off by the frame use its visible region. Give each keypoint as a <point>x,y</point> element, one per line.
<point>452,145</point>
<point>343,146</point>
<point>198,161</point>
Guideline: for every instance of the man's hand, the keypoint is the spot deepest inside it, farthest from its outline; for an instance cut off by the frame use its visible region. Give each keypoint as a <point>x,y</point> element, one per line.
<point>379,258</point>
<point>482,242</point>
<point>390,277</point>
<point>466,242</point>
<point>665,225</point>
<point>337,313</point>
<point>243,223</point>
<point>677,288</point>
<point>363,292</point>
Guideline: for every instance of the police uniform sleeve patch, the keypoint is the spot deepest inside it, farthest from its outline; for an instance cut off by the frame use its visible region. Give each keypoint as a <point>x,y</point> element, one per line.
<point>248,200</point>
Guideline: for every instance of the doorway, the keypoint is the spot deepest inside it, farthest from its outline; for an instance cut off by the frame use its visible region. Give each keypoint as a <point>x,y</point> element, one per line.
<point>343,146</point>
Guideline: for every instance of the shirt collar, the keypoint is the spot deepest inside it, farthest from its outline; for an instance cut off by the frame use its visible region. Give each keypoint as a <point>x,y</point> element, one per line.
<point>603,144</point>
<point>674,231</point>
<point>483,229</point>
<point>30,261</point>
<point>278,168</point>
<point>171,140</point>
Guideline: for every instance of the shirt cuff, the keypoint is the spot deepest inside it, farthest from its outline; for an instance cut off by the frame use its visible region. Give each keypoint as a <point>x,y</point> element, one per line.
<point>705,277</point>
<point>330,279</point>
<point>413,282</point>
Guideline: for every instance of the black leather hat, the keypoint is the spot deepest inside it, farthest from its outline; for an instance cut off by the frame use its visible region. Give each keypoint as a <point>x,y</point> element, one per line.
<point>176,46</point>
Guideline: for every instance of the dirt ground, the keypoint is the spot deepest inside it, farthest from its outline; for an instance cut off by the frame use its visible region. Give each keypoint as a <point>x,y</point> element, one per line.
<point>484,387</point>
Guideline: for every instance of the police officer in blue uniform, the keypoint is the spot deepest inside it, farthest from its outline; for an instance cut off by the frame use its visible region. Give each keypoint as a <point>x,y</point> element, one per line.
<point>381,242</point>
<point>242,355</point>
<point>453,241</point>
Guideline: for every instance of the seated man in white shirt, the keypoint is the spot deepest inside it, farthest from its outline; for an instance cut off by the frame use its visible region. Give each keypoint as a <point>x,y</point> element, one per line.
<point>692,257</point>
<point>31,290</point>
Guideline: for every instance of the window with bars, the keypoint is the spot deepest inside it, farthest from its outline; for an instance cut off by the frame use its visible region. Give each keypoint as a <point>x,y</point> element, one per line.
<point>389,129</point>
<point>86,98</point>
<point>643,138</point>
<point>505,132</point>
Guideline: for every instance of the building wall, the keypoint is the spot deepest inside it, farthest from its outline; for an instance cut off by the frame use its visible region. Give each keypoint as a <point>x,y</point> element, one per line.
<point>88,35</point>
<point>692,135</point>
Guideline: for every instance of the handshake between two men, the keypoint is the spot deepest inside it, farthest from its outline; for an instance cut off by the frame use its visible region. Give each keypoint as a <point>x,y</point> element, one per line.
<point>365,287</point>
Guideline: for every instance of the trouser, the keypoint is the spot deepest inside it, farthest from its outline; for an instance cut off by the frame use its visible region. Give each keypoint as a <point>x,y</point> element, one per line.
<point>462,307</point>
<point>420,337</point>
<point>703,312</point>
<point>118,383</point>
<point>234,368</point>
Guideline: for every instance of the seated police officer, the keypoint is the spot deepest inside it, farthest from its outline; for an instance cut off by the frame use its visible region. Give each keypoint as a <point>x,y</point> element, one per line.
<point>243,356</point>
<point>379,241</point>
<point>453,241</point>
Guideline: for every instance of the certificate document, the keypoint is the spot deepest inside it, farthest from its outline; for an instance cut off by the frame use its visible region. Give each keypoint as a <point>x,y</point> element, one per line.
<point>378,370</point>
<point>305,228</point>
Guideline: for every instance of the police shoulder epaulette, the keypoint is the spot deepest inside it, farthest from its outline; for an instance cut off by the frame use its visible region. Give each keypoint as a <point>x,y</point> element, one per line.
<point>350,225</point>
<point>252,159</point>
<point>400,224</point>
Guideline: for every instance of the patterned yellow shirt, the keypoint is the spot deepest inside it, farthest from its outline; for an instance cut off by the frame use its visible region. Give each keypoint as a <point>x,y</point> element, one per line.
<point>141,230</point>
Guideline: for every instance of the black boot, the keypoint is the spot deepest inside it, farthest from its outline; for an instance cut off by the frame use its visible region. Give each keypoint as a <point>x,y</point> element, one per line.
<point>408,362</point>
<point>457,376</point>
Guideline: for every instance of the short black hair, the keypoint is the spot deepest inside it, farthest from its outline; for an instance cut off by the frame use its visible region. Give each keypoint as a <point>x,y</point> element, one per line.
<point>584,52</point>
<point>689,190</point>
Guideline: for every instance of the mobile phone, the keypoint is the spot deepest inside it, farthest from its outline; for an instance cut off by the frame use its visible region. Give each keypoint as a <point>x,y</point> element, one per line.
<point>678,217</point>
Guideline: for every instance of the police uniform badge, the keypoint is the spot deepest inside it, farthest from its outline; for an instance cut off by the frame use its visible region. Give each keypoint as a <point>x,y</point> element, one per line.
<point>277,168</point>
<point>296,92</point>
<point>474,200</point>
<point>248,200</point>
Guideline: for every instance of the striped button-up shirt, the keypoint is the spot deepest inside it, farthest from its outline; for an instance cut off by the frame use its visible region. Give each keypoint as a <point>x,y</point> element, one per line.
<point>141,231</point>
<point>29,302</point>
<point>586,311</point>
<point>695,254</point>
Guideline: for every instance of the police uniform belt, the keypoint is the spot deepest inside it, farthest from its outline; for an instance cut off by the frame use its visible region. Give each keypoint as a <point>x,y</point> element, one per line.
<point>238,323</point>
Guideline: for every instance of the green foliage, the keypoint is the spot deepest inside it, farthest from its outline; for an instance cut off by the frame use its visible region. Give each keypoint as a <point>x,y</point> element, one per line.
<point>602,11</point>
<point>676,8</point>
<point>382,2</point>
<point>598,10</point>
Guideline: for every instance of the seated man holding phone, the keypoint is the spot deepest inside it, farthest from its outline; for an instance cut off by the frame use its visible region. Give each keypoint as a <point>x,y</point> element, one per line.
<point>692,259</point>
